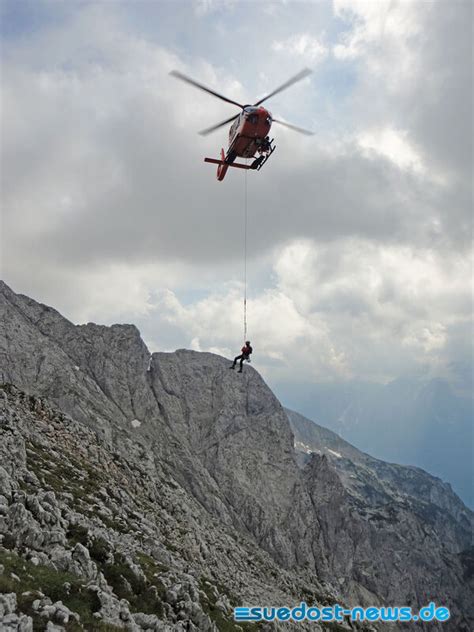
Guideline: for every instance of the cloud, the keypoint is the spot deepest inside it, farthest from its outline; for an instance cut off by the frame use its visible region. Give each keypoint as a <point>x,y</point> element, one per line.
<point>304,46</point>
<point>382,38</point>
<point>415,71</point>
<point>339,311</point>
<point>373,22</point>
<point>394,145</point>
<point>359,237</point>
<point>204,7</point>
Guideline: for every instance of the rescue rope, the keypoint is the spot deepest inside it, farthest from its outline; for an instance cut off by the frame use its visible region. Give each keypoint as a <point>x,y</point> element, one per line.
<point>245,254</point>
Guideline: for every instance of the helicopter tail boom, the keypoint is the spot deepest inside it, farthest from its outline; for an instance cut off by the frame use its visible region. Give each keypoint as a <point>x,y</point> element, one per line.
<point>239,165</point>
<point>224,163</point>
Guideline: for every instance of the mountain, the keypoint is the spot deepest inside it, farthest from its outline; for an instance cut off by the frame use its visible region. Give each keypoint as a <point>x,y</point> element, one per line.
<point>413,421</point>
<point>375,486</point>
<point>157,491</point>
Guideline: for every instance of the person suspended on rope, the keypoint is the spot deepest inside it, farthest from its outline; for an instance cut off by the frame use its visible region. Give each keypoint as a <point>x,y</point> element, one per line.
<point>245,355</point>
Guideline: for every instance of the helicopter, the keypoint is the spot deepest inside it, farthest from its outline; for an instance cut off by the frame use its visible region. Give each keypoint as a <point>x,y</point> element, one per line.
<point>248,134</point>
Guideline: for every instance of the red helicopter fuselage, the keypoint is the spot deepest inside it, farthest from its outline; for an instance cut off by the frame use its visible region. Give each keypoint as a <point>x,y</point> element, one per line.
<point>248,138</point>
<point>248,133</point>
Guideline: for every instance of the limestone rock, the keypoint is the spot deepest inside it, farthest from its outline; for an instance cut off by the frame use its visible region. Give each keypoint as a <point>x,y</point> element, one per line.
<point>204,504</point>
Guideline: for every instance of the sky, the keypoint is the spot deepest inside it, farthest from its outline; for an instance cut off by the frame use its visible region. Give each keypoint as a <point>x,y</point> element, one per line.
<point>359,237</point>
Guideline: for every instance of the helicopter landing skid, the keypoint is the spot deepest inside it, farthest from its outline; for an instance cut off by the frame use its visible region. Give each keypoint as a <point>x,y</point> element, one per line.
<point>224,163</point>
<point>262,159</point>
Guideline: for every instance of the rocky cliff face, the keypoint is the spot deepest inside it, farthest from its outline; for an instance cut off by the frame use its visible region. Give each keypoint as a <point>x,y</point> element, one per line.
<point>409,514</point>
<point>171,487</point>
<point>99,539</point>
<point>424,422</point>
<point>371,482</point>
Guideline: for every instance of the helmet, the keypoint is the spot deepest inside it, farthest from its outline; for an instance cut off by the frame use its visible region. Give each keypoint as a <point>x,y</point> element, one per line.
<point>247,342</point>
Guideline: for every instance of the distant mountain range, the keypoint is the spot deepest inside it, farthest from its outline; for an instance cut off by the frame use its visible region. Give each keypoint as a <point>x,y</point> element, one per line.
<point>372,483</point>
<point>411,421</point>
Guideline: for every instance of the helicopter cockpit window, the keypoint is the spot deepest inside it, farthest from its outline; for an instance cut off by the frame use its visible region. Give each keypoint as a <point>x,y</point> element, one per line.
<point>253,118</point>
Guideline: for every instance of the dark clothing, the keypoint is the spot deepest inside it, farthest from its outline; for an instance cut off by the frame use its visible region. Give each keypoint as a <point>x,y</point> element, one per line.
<point>246,351</point>
<point>241,358</point>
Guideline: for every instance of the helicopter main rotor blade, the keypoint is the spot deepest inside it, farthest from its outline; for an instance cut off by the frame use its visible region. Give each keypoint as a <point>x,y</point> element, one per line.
<point>301,75</point>
<point>179,75</point>
<point>208,130</point>
<point>301,130</point>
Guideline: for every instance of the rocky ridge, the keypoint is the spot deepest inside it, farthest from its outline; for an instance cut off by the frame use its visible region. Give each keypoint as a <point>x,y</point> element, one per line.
<point>203,465</point>
<point>372,483</point>
<point>95,540</point>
